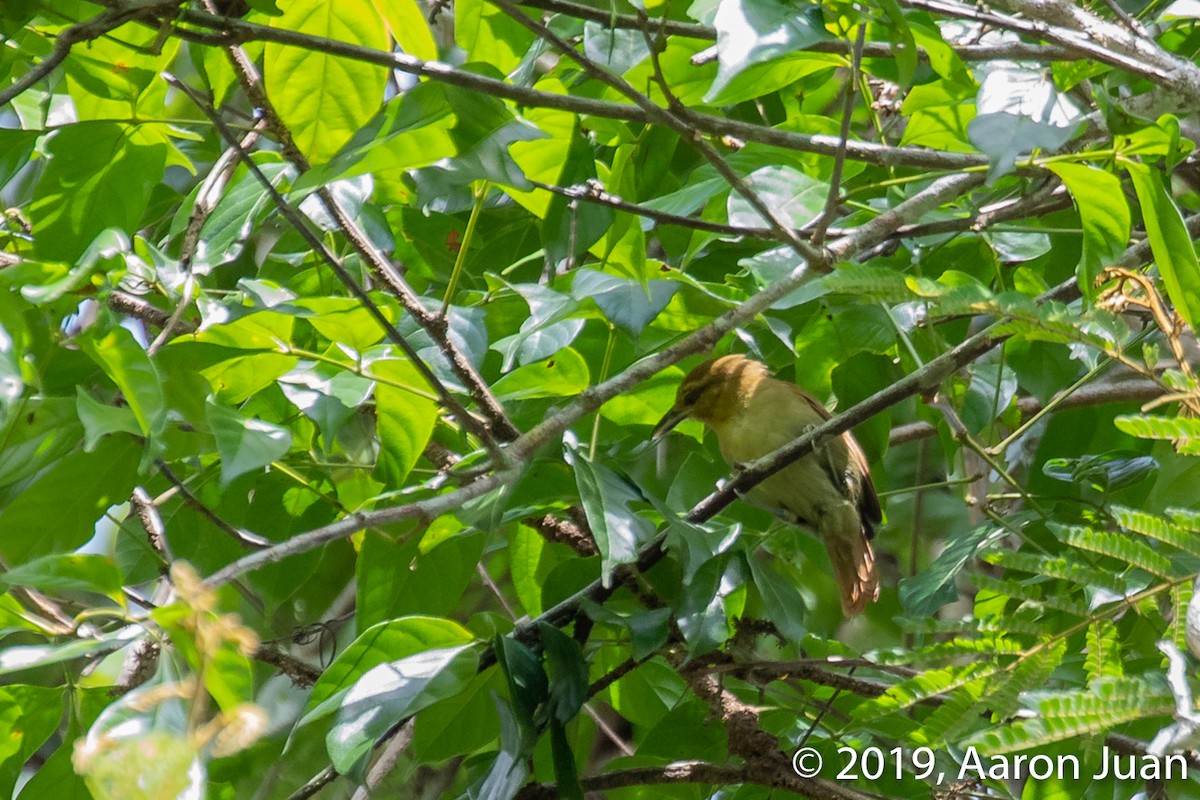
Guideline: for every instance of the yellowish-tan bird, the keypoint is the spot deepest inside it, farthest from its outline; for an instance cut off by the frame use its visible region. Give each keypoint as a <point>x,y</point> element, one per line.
<point>828,491</point>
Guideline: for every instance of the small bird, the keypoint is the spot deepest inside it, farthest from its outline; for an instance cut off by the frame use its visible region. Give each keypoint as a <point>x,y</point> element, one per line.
<point>828,491</point>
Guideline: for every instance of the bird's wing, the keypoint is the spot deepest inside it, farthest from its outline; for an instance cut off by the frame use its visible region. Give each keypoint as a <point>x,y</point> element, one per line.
<point>868,501</point>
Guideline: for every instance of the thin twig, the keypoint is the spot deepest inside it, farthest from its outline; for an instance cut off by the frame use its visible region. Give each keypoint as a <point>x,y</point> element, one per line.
<point>839,161</point>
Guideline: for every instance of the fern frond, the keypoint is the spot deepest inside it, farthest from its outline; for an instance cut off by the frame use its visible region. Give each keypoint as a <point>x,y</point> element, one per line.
<point>1153,426</point>
<point>1063,715</point>
<point>1029,594</point>
<point>959,647</point>
<point>1185,518</point>
<point>1103,658</point>
<point>930,683</point>
<point>1119,546</point>
<point>1031,673</point>
<point>1181,596</point>
<point>1056,567</point>
<point>1155,527</point>
<point>952,717</point>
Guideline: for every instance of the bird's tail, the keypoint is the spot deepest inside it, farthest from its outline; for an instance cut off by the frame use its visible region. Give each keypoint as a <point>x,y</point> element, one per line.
<point>853,561</point>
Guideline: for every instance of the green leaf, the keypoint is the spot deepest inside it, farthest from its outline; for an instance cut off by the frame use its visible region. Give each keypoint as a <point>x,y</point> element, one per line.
<point>1058,567</point>
<point>401,578</point>
<point>389,692</point>
<point>933,587</point>
<point>903,44</point>
<point>126,363</point>
<point>549,327</point>
<point>1005,137</point>
<point>388,641</point>
<point>1103,651</point>
<point>412,130</point>
<point>646,403</point>
<point>528,687</point>
<point>489,35</point>
<point>1063,715</point>
<point>1119,546</point>
<point>46,429</point>
<point>563,375</point>
<point>1183,431</point>
<point>58,512</point>
<point>324,99</point>
<point>784,603</point>
<point>510,769</point>
<point>483,132</point>
<point>30,714</point>
<point>570,227</point>
<point>99,419</point>
<point>23,657</point>
<point>625,302</point>
<point>328,395</point>
<point>244,444</point>
<point>99,176</point>
<point>54,573</point>
<point>929,683</point>
<point>406,22</point>
<point>405,420</point>
<point>794,197</point>
<point>1104,215</point>
<point>648,629</point>
<point>755,31</point>
<point>568,672</point>
<point>1170,241</point>
<point>1155,527</point>
<point>607,497</point>
<point>702,613</point>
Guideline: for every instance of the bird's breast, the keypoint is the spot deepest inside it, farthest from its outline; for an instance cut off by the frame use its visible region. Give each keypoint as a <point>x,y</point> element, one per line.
<point>801,492</point>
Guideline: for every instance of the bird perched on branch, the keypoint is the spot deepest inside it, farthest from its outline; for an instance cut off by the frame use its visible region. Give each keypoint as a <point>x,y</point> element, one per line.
<point>828,490</point>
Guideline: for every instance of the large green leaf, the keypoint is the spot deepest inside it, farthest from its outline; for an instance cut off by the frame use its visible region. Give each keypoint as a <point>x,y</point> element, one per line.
<point>563,375</point>
<point>404,418</point>
<point>1104,214</point>
<point>751,32</point>
<point>244,443</point>
<point>383,643</point>
<point>53,573</point>
<point>126,363</point>
<point>100,176</point>
<point>607,497</point>
<point>406,22</point>
<point>58,512</point>
<point>392,691</point>
<point>793,196</point>
<point>322,98</point>
<point>1170,242</point>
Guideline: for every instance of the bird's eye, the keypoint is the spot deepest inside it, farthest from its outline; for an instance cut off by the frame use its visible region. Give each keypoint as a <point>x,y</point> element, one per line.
<point>692,396</point>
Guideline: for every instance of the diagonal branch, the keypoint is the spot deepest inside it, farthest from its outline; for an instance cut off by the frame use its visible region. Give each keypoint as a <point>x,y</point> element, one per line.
<point>497,423</point>
<point>589,400</point>
<point>297,221</point>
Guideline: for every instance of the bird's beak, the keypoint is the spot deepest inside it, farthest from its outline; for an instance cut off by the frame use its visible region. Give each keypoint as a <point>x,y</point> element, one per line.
<point>672,418</point>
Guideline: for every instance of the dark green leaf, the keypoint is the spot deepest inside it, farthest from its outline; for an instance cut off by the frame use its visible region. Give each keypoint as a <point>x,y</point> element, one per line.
<point>606,497</point>
<point>1174,252</point>
<point>245,444</point>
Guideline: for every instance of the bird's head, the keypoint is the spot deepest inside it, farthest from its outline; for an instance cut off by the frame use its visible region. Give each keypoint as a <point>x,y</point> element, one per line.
<point>712,391</point>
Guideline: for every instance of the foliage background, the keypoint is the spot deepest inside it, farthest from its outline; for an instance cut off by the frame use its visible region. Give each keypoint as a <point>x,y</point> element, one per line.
<point>365,311</point>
